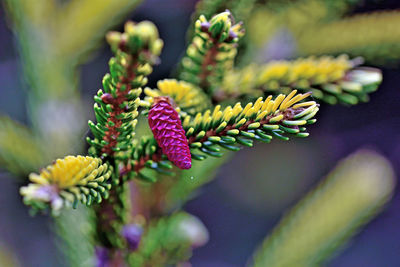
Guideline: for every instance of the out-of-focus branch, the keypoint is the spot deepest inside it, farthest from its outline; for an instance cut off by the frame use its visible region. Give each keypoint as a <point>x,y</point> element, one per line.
<point>332,80</point>
<point>91,20</point>
<point>331,214</point>
<point>53,38</point>
<point>20,152</point>
<point>375,36</point>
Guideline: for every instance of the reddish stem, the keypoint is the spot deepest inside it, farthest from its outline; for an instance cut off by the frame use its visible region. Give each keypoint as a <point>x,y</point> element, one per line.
<point>112,133</point>
<point>209,60</point>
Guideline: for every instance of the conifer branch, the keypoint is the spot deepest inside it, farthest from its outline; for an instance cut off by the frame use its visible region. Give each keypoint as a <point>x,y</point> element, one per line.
<point>323,221</point>
<point>185,126</point>
<point>375,36</point>
<point>332,80</point>
<point>211,52</point>
<point>210,131</point>
<point>136,50</point>
<point>111,215</point>
<point>67,182</point>
<point>54,38</point>
<point>20,151</point>
<point>240,9</point>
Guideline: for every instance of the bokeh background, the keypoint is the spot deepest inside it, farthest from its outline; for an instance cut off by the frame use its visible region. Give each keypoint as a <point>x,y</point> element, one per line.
<point>253,190</point>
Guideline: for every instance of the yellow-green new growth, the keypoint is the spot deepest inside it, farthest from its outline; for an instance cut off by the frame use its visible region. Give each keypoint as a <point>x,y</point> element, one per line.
<point>209,57</point>
<point>375,36</point>
<point>329,215</point>
<point>186,97</point>
<point>20,151</point>
<point>212,130</point>
<point>329,79</point>
<point>279,115</point>
<point>67,181</point>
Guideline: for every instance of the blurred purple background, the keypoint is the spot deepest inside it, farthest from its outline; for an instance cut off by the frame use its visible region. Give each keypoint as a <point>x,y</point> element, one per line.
<point>253,190</point>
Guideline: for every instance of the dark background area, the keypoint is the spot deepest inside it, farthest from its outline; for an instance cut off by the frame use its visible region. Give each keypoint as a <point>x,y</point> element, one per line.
<point>253,190</point>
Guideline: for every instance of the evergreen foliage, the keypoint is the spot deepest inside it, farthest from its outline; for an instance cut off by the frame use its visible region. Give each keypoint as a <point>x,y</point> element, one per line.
<point>212,51</point>
<point>375,36</point>
<point>54,37</point>
<point>68,181</point>
<point>231,128</point>
<point>330,214</point>
<point>20,152</point>
<point>332,80</point>
<point>136,50</point>
<point>212,108</point>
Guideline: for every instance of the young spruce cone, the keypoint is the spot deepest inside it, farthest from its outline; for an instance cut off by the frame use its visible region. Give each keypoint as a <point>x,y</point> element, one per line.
<point>167,129</point>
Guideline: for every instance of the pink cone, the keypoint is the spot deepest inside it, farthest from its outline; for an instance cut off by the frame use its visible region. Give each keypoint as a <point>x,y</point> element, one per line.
<point>167,129</point>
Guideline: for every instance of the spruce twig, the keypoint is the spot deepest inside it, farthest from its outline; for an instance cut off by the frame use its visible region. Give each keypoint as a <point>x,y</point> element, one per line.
<point>323,221</point>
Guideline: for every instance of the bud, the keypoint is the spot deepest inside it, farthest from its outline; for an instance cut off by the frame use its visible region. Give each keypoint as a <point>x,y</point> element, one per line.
<point>132,234</point>
<point>192,229</point>
<point>102,257</point>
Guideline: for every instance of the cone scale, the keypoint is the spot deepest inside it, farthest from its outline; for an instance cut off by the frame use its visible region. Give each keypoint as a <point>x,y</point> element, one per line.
<point>167,129</point>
